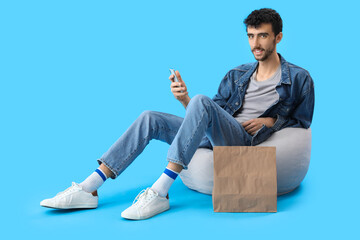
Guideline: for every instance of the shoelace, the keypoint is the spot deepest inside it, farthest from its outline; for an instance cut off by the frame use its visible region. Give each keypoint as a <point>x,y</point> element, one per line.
<point>143,197</point>
<point>69,189</point>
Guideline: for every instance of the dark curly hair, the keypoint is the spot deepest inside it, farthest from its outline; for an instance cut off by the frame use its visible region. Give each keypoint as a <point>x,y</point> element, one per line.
<point>265,15</point>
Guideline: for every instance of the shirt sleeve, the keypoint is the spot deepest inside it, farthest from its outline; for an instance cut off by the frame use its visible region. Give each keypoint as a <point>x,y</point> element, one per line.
<point>303,113</point>
<point>223,93</point>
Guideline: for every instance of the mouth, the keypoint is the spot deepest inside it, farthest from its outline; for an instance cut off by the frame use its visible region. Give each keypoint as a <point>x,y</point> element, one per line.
<point>258,51</point>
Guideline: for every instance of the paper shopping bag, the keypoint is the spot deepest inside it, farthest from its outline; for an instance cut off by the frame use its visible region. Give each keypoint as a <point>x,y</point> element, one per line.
<point>244,179</point>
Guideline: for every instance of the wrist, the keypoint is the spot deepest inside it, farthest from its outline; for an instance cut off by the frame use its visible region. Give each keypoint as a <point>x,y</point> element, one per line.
<point>270,122</point>
<point>185,101</point>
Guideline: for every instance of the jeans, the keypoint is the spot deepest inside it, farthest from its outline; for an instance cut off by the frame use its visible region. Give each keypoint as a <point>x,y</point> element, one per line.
<point>205,125</point>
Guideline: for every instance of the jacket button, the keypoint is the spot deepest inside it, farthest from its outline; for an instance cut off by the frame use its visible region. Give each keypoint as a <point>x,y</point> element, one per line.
<point>237,103</point>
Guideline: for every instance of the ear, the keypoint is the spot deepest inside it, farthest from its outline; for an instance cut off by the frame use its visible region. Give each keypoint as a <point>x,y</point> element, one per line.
<point>279,37</point>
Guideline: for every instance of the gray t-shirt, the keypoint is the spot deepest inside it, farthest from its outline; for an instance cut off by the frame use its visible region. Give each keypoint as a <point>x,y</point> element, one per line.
<point>259,96</point>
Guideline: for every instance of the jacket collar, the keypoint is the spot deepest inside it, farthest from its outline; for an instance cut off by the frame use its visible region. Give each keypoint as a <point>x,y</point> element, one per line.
<point>285,72</point>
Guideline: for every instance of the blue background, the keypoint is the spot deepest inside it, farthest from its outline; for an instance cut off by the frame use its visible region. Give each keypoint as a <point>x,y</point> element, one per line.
<point>75,74</point>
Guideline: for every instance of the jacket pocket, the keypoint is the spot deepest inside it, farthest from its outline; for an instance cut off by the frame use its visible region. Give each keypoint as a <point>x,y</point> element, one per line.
<point>286,107</point>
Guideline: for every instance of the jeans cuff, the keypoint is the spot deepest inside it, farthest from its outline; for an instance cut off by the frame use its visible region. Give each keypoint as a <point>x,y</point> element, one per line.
<point>102,161</point>
<point>178,162</point>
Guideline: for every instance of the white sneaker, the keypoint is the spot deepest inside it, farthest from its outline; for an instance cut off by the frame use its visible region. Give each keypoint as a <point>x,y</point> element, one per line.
<point>147,204</point>
<point>73,197</point>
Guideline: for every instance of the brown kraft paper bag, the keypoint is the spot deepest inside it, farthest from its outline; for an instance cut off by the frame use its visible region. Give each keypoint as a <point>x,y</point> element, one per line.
<point>244,179</point>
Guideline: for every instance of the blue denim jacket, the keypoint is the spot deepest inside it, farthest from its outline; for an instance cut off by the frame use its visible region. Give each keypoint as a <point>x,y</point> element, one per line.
<point>294,108</point>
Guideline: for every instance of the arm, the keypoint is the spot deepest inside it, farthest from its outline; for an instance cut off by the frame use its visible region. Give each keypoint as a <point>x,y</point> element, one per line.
<point>253,125</point>
<point>223,94</point>
<point>179,89</point>
<point>186,101</point>
<point>300,117</point>
<point>302,114</point>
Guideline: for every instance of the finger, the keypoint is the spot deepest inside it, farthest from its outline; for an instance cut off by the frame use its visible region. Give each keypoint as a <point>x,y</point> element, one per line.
<point>178,89</point>
<point>183,88</point>
<point>174,84</point>
<point>248,122</point>
<point>249,132</point>
<point>171,78</point>
<point>254,131</point>
<point>181,94</point>
<point>178,85</point>
<point>252,128</point>
<point>178,76</point>
<point>249,126</point>
<point>255,126</point>
<point>175,90</point>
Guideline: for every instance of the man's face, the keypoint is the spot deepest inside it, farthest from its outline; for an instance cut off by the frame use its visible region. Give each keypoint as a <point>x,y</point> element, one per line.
<point>262,41</point>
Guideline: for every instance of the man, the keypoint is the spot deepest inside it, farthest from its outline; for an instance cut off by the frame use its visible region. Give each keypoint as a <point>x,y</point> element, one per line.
<point>253,101</point>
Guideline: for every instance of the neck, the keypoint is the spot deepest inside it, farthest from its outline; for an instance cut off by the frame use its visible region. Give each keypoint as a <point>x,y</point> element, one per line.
<point>268,67</point>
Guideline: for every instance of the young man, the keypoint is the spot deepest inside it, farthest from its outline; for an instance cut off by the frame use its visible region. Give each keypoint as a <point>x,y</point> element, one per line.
<point>253,101</point>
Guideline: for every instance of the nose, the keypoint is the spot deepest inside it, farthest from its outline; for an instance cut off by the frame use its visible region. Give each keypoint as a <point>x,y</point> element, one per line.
<point>256,42</point>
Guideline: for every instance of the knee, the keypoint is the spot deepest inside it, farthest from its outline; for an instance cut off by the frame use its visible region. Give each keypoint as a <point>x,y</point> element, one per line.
<point>152,118</point>
<point>146,115</point>
<point>200,100</point>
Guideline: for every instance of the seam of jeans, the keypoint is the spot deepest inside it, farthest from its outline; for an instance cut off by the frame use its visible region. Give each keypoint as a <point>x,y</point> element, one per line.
<point>123,163</point>
<point>192,136</point>
<point>232,127</point>
<point>167,129</point>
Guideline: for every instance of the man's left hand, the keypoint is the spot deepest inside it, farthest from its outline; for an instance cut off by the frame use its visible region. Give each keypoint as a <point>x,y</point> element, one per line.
<point>253,125</point>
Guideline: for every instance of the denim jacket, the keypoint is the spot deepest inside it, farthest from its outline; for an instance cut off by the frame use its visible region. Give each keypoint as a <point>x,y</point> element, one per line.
<point>294,108</point>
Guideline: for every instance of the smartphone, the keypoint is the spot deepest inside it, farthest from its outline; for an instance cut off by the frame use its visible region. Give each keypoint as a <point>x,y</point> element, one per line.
<point>172,71</point>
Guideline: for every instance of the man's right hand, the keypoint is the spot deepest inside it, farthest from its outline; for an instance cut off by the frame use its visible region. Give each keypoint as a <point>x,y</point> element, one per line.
<point>179,89</point>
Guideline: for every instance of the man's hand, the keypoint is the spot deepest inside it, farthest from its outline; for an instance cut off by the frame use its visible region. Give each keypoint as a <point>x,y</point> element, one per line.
<point>253,125</point>
<point>179,89</point>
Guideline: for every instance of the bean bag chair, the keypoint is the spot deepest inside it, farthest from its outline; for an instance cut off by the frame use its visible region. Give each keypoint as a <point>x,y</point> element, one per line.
<point>293,149</point>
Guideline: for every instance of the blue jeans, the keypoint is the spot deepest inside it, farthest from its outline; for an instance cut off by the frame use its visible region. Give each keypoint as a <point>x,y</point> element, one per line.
<point>205,125</point>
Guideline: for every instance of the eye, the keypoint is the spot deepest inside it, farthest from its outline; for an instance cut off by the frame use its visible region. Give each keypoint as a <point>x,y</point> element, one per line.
<point>263,35</point>
<point>251,36</point>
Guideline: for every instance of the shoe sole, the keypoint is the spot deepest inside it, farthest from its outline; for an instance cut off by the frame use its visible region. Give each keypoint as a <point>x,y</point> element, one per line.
<point>146,217</point>
<point>72,207</point>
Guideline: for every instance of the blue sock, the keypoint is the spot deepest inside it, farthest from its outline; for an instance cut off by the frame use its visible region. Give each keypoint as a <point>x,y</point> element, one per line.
<point>94,181</point>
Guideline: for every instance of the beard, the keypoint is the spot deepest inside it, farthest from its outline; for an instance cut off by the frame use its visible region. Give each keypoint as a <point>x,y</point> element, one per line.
<point>267,52</point>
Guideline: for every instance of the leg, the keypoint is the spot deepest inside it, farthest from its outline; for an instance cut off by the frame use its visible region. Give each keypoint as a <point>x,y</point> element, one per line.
<point>205,124</point>
<point>205,117</point>
<point>149,125</point>
<point>107,171</point>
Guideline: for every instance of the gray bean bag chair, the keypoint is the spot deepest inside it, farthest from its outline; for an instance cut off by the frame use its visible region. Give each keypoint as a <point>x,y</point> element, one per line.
<point>293,148</point>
